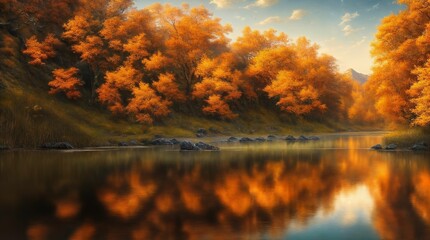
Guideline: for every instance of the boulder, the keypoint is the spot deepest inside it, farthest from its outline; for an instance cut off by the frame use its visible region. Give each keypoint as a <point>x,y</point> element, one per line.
<point>377,147</point>
<point>205,146</point>
<point>200,135</point>
<point>391,146</point>
<point>420,147</point>
<point>232,139</point>
<point>260,139</point>
<point>123,144</point>
<point>57,145</point>
<point>175,141</point>
<point>246,139</point>
<point>133,143</point>
<point>188,146</point>
<point>161,141</point>
<point>201,132</point>
<point>271,137</point>
<point>290,138</point>
<point>303,138</point>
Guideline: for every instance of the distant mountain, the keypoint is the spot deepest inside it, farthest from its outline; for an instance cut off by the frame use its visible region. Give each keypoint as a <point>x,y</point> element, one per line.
<point>359,77</point>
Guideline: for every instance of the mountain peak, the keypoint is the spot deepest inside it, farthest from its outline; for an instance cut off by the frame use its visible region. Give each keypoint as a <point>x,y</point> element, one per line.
<point>359,77</point>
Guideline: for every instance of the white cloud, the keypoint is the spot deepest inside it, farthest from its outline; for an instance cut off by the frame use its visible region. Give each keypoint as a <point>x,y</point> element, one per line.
<point>262,3</point>
<point>360,42</point>
<point>374,7</point>
<point>297,14</point>
<point>224,3</point>
<point>274,19</point>
<point>348,17</point>
<point>347,30</point>
<point>241,18</point>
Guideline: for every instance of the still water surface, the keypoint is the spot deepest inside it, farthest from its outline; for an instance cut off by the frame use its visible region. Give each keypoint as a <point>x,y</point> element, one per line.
<point>335,188</point>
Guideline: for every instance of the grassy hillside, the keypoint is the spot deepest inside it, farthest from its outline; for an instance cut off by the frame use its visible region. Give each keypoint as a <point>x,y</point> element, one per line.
<point>29,116</point>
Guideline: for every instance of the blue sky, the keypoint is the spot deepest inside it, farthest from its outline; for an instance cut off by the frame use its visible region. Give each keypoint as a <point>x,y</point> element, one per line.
<point>343,28</point>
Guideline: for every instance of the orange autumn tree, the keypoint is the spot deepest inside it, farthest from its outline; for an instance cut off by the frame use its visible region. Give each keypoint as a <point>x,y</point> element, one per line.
<point>117,83</point>
<point>190,34</point>
<point>362,109</point>
<point>300,79</point>
<point>66,82</point>
<point>295,95</point>
<point>320,71</point>
<point>147,105</point>
<point>420,93</point>
<point>251,42</point>
<point>84,32</point>
<point>39,52</point>
<point>220,84</point>
<point>167,86</point>
<point>400,46</point>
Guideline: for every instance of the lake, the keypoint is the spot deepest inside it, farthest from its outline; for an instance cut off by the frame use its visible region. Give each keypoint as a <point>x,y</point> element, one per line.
<point>335,188</point>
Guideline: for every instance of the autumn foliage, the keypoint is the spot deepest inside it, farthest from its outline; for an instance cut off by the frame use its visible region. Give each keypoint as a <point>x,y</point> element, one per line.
<point>66,82</point>
<point>400,83</point>
<point>39,52</point>
<point>146,63</point>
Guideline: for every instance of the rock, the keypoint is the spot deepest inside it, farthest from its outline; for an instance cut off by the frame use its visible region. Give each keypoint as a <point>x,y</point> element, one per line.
<point>200,135</point>
<point>420,147</point>
<point>314,138</point>
<point>57,145</point>
<point>290,138</point>
<point>245,139</point>
<point>175,141</point>
<point>391,146</point>
<point>123,144</point>
<point>303,138</point>
<point>377,147</point>
<point>232,139</point>
<point>4,148</point>
<point>205,146</point>
<point>260,139</point>
<point>188,146</point>
<point>201,132</point>
<point>161,141</point>
<point>133,143</point>
<point>271,137</point>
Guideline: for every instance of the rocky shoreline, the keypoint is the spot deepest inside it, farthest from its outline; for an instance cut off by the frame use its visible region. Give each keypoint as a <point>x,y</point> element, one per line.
<point>188,145</point>
<point>419,146</point>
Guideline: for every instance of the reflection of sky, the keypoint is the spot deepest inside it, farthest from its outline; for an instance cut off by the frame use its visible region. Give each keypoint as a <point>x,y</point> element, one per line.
<point>350,218</point>
<point>343,28</point>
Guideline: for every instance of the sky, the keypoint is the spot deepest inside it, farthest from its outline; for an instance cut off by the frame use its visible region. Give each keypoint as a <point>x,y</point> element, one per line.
<point>342,28</point>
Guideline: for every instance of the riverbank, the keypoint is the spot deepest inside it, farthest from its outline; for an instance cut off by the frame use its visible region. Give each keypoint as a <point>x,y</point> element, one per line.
<point>407,137</point>
<point>30,118</point>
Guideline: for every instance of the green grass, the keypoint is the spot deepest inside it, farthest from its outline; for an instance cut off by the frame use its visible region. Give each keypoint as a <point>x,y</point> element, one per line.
<point>30,117</point>
<point>408,137</point>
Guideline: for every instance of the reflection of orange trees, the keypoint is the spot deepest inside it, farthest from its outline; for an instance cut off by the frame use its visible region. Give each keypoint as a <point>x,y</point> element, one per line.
<point>301,189</point>
<point>37,232</point>
<point>421,198</point>
<point>84,232</point>
<point>393,191</point>
<point>125,196</point>
<point>67,207</point>
<point>191,203</point>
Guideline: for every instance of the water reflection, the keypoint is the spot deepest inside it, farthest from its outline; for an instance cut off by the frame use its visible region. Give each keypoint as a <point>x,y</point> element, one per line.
<point>334,188</point>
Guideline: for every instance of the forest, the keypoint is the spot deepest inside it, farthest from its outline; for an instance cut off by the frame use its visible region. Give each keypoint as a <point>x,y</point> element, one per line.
<point>144,65</point>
